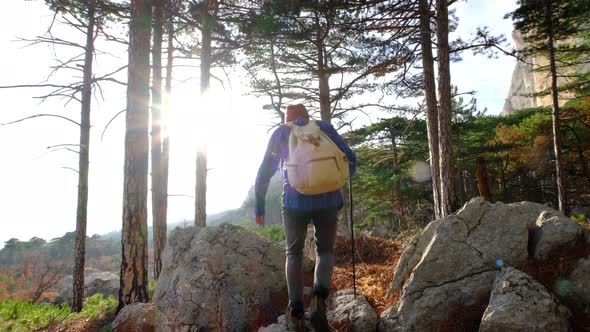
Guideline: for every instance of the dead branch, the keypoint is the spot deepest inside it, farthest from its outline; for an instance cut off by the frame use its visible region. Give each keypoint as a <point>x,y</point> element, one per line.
<point>41,115</point>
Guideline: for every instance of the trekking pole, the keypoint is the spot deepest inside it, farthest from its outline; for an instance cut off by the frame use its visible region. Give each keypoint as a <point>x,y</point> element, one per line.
<point>352,236</point>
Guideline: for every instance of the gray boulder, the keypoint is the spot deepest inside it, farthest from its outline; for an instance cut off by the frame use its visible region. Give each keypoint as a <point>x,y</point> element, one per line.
<point>95,282</point>
<point>390,321</point>
<point>138,317</point>
<point>554,230</point>
<point>579,283</point>
<point>455,260</point>
<point>519,303</point>
<point>411,255</point>
<point>222,278</point>
<point>352,314</point>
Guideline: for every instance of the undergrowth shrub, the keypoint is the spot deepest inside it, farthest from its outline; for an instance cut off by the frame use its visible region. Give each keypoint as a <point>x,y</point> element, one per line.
<point>17,316</point>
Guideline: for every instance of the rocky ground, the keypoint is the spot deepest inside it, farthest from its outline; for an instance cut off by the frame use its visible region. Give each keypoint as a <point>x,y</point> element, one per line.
<point>488,267</point>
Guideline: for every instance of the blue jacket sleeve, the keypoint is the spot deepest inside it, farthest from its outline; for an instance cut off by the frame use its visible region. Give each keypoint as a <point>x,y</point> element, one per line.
<point>327,128</point>
<point>269,165</point>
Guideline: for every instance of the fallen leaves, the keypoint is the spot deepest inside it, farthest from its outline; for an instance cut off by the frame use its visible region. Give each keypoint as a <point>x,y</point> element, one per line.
<point>375,260</point>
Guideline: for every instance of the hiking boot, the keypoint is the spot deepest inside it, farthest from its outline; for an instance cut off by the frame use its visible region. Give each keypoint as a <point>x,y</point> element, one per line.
<point>295,320</point>
<point>317,314</point>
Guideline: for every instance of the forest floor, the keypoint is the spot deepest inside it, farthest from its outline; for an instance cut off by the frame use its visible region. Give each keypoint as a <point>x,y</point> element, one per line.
<point>375,262</point>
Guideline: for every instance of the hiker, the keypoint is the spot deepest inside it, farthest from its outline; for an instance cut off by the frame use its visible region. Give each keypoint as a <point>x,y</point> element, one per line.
<point>299,209</point>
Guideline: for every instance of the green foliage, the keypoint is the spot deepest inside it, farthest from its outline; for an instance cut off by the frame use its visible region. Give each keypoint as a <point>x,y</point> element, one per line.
<point>19,316</point>
<point>580,218</point>
<point>23,316</point>
<point>152,287</point>
<point>274,233</point>
<point>517,150</point>
<point>96,306</point>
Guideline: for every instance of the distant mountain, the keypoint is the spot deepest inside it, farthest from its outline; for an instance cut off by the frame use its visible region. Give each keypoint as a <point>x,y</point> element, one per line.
<point>109,244</point>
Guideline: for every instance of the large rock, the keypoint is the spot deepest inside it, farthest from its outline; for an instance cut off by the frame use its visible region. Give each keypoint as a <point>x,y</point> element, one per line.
<point>411,255</point>
<point>390,321</point>
<point>95,282</point>
<point>554,231</point>
<point>519,303</point>
<point>139,317</point>
<point>352,314</point>
<point>454,262</point>
<point>579,282</point>
<point>222,278</point>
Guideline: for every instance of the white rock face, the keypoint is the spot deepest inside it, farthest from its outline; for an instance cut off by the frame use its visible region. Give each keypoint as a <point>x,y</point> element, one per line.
<point>526,81</point>
<point>456,259</point>
<point>522,84</point>
<point>519,303</point>
<point>554,231</point>
<point>222,278</point>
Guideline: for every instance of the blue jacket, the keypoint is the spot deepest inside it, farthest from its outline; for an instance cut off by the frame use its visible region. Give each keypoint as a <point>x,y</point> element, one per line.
<point>277,153</point>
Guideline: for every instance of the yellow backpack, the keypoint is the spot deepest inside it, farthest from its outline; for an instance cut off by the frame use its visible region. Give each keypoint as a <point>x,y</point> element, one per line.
<point>315,165</point>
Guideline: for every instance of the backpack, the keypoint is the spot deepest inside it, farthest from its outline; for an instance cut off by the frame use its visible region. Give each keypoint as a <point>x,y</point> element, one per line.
<point>315,165</point>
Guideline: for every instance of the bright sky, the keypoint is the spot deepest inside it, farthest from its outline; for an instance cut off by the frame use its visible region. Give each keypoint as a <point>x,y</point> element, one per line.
<point>38,191</point>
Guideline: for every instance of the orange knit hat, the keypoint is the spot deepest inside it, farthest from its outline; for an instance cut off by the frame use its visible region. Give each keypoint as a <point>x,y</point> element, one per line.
<point>295,112</point>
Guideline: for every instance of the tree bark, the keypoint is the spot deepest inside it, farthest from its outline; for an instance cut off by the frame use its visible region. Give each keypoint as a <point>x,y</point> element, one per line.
<point>83,167</point>
<point>158,219</point>
<point>201,169</point>
<point>165,136</point>
<point>323,76</point>
<point>431,107</point>
<point>559,178</point>
<point>133,276</point>
<point>482,179</point>
<point>447,183</point>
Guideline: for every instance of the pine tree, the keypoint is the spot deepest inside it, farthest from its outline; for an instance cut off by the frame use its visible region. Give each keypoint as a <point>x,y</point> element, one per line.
<point>546,23</point>
<point>431,104</point>
<point>134,280</point>
<point>448,197</point>
<point>158,198</point>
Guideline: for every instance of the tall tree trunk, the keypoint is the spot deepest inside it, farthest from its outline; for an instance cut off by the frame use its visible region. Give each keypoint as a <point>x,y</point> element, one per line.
<point>482,179</point>
<point>201,169</point>
<point>323,76</point>
<point>559,179</point>
<point>158,219</point>
<point>273,63</point>
<point>431,107</point>
<point>324,87</point>
<point>447,181</point>
<point>83,167</point>
<point>165,136</point>
<point>168,89</point>
<point>133,276</point>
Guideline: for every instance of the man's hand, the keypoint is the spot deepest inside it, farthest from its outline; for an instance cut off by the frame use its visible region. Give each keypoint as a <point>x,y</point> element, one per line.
<point>260,220</point>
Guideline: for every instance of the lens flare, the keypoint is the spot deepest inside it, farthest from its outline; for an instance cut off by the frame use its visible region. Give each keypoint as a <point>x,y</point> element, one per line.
<point>562,287</point>
<point>420,171</point>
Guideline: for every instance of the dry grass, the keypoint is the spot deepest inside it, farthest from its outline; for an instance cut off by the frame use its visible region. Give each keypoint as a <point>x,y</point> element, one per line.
<point>375,262</point>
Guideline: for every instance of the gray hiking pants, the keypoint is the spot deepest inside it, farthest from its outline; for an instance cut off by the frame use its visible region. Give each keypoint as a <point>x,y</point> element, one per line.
<point>325,222</point>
